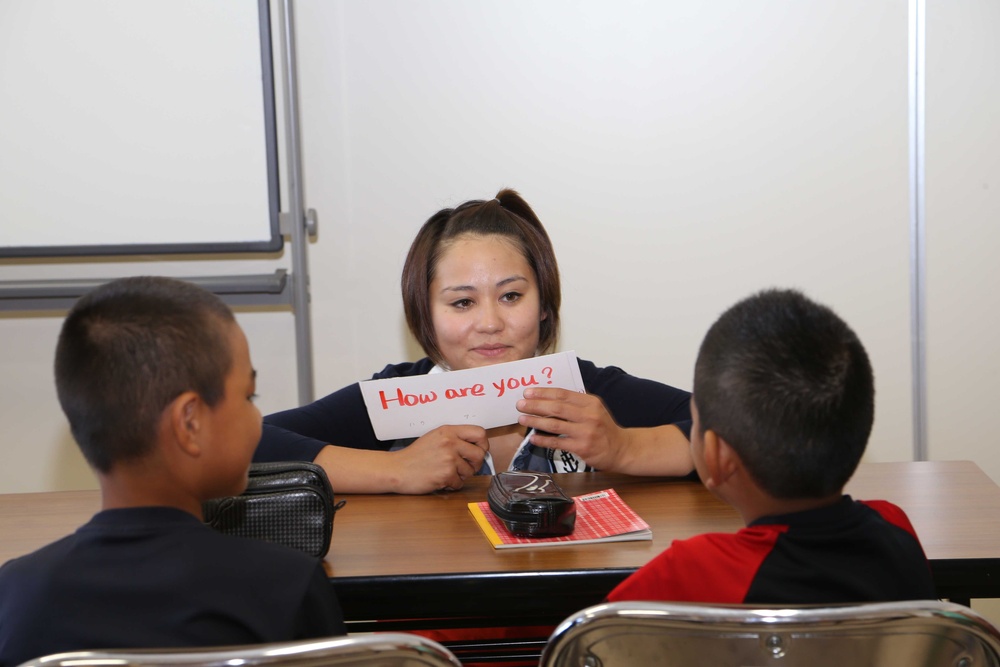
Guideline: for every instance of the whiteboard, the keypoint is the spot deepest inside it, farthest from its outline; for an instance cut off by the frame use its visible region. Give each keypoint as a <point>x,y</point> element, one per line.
<point>136,127</point>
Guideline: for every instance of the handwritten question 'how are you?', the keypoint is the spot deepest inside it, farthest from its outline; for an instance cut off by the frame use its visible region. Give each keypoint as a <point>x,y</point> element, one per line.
<point>409,407</point>
<point>451,393</point>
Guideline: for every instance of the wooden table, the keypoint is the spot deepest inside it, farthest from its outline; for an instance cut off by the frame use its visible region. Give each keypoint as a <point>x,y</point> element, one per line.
<point>423,557</point>
<point>433,561</point>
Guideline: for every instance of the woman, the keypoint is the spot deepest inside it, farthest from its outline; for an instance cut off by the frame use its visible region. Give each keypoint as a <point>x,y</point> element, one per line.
<point>481,286</point>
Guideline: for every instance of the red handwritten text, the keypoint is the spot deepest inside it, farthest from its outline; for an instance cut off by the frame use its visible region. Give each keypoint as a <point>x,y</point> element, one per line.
<point>475,390</point>
<point>514,383</point>
<point>407,399</point>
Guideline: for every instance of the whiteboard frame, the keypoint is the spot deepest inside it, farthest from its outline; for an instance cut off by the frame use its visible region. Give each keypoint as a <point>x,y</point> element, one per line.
<point>270,245</point>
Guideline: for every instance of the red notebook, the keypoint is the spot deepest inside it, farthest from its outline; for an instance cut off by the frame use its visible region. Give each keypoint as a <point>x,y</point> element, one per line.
<point>601,516</point>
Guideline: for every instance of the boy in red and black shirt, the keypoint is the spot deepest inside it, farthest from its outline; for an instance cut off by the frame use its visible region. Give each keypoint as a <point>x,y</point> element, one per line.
<point>783,405</point>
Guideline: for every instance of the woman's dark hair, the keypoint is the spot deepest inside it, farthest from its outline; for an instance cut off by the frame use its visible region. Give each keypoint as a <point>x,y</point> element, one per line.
<point>126,350</point>
<point>509,216</point>
<point>788,385</point>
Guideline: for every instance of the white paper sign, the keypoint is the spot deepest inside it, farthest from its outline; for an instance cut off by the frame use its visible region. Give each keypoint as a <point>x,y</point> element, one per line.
<point>409,407</point>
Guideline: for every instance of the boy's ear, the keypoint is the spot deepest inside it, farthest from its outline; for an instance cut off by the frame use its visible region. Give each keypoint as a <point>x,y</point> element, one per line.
<point>710,456</point>
<point>721,461</point>
<point>729,461</point>
<point>184,417</point>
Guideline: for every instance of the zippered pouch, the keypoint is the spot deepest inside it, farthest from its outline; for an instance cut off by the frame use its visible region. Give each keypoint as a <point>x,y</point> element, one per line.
<point>288,502</point>
<point>531,504</point>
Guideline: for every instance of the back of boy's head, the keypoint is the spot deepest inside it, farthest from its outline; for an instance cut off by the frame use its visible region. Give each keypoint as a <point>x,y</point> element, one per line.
<point>788,385</point>
<point>126,350</point>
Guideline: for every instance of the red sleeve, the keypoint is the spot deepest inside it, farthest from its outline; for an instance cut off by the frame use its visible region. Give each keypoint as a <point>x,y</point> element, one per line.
<point>715,567</point>
<point>893,514</point>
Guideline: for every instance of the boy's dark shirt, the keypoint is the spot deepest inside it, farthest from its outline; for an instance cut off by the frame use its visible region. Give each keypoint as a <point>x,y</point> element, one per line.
<point>864,551</point>
<point>157,577</point>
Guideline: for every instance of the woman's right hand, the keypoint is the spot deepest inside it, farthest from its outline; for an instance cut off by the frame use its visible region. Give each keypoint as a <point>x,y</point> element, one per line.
<point>441,459</point>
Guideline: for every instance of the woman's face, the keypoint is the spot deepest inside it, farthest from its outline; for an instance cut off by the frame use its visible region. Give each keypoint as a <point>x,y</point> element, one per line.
<point>484,303</point>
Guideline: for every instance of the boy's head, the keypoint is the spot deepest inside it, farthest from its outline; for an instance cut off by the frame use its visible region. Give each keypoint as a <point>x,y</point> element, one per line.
<point>133,347</point>
<point>788,385</point>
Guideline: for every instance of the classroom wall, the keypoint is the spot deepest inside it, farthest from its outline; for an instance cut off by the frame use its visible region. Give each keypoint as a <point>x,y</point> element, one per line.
<point>963,239</point>
<point>682,155</point>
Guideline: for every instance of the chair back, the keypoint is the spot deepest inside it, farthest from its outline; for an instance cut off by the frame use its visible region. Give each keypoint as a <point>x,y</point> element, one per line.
<point>380,649</point>
<point>910,634</point>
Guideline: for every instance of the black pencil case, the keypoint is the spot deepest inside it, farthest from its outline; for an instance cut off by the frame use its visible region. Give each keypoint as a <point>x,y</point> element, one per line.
<point>531,504</point>
<point>289,502</point>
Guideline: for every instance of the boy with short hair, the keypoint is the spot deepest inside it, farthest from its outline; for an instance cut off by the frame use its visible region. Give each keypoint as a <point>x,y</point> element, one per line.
<point>782,408</point>
<point>154,375</point>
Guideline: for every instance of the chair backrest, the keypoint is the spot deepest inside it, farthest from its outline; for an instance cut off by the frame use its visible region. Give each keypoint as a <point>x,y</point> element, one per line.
<point>381,649</point>
<point>910,634</point>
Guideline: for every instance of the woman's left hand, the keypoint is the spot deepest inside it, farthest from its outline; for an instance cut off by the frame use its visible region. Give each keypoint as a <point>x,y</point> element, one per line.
<point>587,428</point>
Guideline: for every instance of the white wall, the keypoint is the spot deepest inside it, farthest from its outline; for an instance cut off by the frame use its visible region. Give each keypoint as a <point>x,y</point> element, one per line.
<point>963,208</point>
<point>680,158</point>
<point>682,155</point>
<point>963,241</point>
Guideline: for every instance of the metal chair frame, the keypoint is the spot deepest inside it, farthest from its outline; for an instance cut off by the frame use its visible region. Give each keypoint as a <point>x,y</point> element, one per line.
<point>911,634</point>
<point>380,649</point>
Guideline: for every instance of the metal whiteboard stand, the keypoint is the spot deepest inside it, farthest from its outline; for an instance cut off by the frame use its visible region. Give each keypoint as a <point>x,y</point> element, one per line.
<point>298,224</point>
